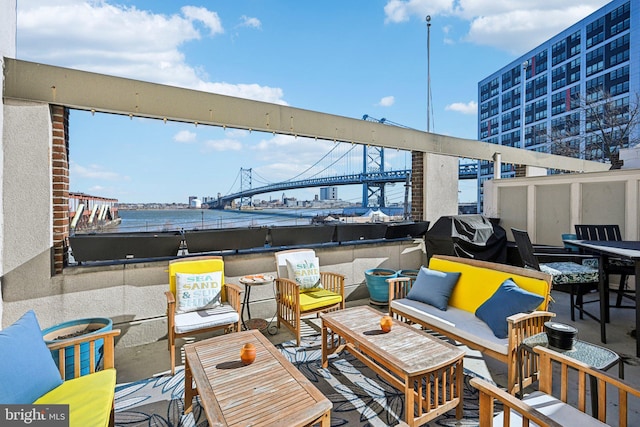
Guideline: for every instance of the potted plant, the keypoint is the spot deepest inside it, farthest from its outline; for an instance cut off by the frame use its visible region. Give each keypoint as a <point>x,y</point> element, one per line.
<point>72,329</point>
<point>376,279</point>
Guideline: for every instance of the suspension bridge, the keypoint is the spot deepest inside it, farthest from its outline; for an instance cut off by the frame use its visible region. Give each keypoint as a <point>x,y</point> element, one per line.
<point>343,164</point>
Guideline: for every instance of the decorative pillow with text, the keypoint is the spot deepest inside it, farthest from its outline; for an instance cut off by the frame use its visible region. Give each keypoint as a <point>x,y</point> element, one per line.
<point>198,291</point>
<point>305,272</point>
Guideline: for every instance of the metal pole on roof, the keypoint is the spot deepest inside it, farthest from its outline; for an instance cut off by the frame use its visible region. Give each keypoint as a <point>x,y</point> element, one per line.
<point>428,19</point>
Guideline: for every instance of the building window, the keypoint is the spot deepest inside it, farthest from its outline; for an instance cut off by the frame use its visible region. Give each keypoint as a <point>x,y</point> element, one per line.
<point>594,89</point>
<point>617,51</point>
<point>573,71</point>
<point>484,111</point>
<point>540,84</point>
<point>595,61</point>
<point>595,32</point>
<point>558,52</point>
<point>619,20</point>
<point>489,89</point>
<point>540,63</point>
<point>558,77</point>
<point>574,44</point>
<point>540,110</point>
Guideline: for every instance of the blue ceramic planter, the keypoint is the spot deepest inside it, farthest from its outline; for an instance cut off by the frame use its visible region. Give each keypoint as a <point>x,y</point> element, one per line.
<point>377,285</point>
<point>408,273</point>
<point>78,327</point>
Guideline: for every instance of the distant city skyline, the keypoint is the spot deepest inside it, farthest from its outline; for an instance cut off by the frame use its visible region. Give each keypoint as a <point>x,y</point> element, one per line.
<point>341,58</point>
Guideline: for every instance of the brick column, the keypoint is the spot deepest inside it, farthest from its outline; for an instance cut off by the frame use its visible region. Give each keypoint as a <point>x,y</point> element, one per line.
<point>60,183</point>
<point>417,185</point>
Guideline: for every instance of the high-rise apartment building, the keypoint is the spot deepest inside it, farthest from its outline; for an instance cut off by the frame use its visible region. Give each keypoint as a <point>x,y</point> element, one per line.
<point>538,101</point>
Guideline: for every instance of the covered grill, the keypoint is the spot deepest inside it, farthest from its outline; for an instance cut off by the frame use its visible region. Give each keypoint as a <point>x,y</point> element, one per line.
<point>467,236</point>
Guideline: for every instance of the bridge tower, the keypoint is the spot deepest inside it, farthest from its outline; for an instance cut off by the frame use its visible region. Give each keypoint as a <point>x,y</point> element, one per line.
<point>245,185</point>
<point>373,161</point>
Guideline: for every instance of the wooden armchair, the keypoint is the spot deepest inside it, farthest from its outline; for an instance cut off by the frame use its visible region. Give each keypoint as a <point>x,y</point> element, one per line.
<point>294,299</point>
<point>199,313</point>
<point>90,396</point>
<point>569,408</point>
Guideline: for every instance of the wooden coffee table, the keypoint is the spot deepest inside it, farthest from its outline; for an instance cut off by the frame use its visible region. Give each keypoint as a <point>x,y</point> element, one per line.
<point>427,369</point>
<point>270,391</point>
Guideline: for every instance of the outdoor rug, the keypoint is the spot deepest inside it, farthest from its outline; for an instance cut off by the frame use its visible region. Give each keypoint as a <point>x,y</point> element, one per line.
<point>360,397</point>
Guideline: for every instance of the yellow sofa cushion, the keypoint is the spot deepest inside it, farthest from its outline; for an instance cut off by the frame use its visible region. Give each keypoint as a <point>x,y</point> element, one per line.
<point>90,398</point>
<point>317,298</point>
<point>477,284</point>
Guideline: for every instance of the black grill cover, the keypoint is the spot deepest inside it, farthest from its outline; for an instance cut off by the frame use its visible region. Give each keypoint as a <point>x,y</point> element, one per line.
<point>467,236</point>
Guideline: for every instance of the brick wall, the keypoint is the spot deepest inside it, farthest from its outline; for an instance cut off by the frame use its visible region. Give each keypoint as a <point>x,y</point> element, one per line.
<point>417,182</point>
<point>60,183</point>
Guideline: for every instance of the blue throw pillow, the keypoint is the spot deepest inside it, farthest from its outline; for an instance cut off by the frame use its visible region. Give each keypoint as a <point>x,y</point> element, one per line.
<point>509,299</point>
<point>433,287</point>
<point>27,369</point>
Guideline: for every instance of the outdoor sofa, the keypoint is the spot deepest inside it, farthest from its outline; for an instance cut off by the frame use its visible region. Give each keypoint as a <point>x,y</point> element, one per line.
<point>515,308</point>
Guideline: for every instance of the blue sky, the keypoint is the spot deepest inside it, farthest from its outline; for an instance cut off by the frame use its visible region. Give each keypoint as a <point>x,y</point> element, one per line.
<point>347,58</point>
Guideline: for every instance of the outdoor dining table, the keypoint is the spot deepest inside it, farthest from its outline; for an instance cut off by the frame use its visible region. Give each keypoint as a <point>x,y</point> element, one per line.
<point>604,249</point>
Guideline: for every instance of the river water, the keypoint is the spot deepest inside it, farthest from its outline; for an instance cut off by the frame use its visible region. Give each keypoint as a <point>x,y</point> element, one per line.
<point>191,219</point>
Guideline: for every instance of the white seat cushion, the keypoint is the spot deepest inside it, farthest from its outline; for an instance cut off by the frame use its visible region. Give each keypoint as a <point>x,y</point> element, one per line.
<point>194,320</point>
<point>555,409</point>
<point>459,322</point>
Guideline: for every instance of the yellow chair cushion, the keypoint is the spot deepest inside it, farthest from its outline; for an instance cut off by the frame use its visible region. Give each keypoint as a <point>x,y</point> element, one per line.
<point>315,298</point>
<point>195,266</point>
<point>477,284</point>
<point>90,398</point>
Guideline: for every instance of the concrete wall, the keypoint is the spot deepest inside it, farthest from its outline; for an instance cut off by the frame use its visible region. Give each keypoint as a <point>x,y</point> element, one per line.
<point>8,26</point>
<point>133,294</point>
<point>440,186</point>
<point>549,206</point>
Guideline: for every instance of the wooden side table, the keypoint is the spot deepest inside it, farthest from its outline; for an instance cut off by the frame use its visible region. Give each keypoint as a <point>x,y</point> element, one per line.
<point>585,352</point>
<point>249,282</point>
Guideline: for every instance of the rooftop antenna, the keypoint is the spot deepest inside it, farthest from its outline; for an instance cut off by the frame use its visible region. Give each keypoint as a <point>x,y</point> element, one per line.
<point>428,19</point>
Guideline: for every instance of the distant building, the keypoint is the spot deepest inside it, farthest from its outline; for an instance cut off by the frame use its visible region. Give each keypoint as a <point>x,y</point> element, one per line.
<point>194,202</point>
<point>598,55</point>
<point>329,193</point>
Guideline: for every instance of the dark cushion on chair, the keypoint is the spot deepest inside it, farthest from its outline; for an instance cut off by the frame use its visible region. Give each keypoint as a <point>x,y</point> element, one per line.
<point>570,272</point>
<point>433,287</point>
<point>508,299</point>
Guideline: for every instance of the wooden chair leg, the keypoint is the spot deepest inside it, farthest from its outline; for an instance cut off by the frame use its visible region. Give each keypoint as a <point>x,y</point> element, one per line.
<point>172,354</point>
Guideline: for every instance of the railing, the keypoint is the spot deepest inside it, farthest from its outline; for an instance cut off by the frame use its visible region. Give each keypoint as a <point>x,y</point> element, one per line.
<point>145,245</point>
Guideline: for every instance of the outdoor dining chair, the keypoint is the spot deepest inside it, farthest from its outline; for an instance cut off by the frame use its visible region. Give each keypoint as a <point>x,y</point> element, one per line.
<point>580,279</point>
<point>623,267</point>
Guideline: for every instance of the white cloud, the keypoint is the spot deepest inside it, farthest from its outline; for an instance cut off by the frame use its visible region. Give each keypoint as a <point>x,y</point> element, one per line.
<point>402,10</point>
<point>184,136</point>
<point>387,101</point>
<point>306,152</point>
<point>248,21</point>
<point>223,145</point>
<point>470,107</point>
<point>511,25</point>
<point>94,171</point>
<point>236,133</point>
<point>125,41</point>
<point>209,19</point>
